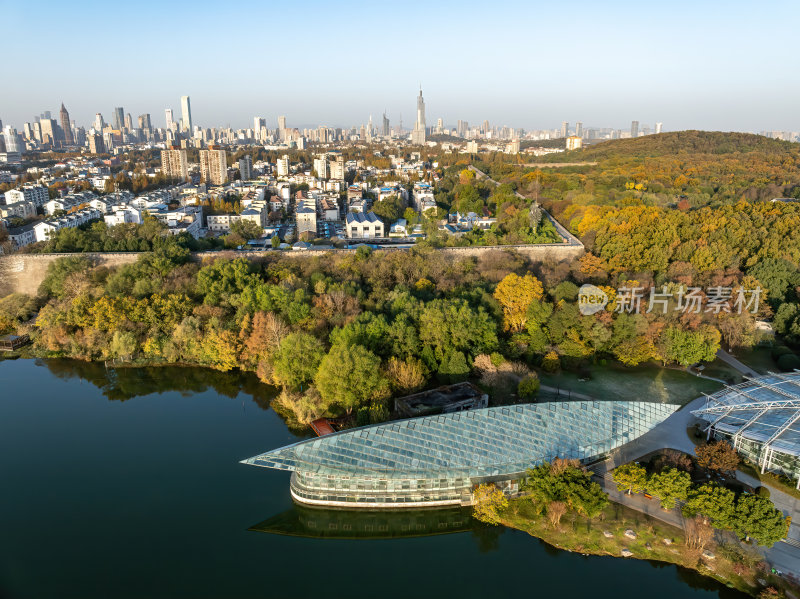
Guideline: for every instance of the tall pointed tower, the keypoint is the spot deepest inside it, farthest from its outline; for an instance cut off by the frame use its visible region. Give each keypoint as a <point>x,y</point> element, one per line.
<point>66,126</point>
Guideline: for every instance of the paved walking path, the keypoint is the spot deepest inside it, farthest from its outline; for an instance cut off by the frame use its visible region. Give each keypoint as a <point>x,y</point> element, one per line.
<point>731,361</point>
<point>671,434</point>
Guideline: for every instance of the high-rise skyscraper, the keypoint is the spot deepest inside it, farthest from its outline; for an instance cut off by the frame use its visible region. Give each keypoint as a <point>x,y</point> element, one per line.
<point>49,128</point>
<point>99,122</point>
<point>96,145</point>
<point>634,128</point>
<point>385,126</point>
<point>119,118</point>
<point>658,127</point>
<point>579,129</point>
<point>186,114</point>
<point>144,124</point>
<point>564,128</point>
<point>168,117</point>
<point>258,122</point>
<point>418,134</point>
<point>66,126</point>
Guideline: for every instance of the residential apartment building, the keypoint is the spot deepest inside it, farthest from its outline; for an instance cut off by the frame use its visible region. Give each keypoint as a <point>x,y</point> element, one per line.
<point>246,168</point>
<point>45,229</point>
<point>37,194</point>
<point>123,214</point>
<point>283,166</point>
<point>214,166</point>
<point>174,163</point>
<point>18,209</point>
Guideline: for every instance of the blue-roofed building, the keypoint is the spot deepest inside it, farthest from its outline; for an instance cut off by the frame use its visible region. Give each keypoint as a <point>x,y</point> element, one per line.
<point>438,460</point>
<point>761,419</point>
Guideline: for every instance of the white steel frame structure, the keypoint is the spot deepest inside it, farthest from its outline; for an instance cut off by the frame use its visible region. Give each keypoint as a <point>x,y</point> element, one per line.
<point>761,417</point>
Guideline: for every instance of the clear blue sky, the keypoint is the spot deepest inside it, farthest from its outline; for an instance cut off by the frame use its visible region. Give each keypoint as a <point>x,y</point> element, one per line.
<point>706,64</point>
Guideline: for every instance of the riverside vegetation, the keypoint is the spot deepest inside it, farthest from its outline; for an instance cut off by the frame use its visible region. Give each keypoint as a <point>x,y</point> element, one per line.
<point>560,504</point>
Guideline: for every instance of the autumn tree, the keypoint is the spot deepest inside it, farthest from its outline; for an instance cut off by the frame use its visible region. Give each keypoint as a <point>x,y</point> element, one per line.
<point>406,375</point>
<point>718,456</point>
<point>489,503</point>
<point>555,511</point>
<point>515,295</point>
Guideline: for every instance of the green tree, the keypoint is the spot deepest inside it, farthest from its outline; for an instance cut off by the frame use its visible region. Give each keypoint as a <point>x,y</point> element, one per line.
<point>350,376</point>
<point>247,229</point>
<point>297,359</point>
<point>713,502</point>
<point>690,347</point>
<point>631,478</point>
<point>757,517</point>
<point>670,486</point>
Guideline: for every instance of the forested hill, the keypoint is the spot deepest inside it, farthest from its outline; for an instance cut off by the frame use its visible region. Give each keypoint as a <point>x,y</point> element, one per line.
<point>679,143</point>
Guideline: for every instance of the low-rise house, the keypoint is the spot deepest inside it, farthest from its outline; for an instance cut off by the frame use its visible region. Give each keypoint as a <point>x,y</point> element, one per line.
<point>329,208</point>
<point>46,228</point>
<point>21,236</point>
<point>123,214</point>
<point>399,228</point>
<point>362,225</point>
<point>306,217</point>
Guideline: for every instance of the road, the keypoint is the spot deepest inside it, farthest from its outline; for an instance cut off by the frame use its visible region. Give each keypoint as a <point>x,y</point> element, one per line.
<point>569,238</point>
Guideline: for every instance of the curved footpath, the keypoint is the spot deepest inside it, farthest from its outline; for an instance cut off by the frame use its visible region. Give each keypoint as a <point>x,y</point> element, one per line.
<point>671,434</point>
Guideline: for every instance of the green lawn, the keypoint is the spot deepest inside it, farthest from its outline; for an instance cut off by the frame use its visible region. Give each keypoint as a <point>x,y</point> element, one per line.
<point>640,383</point>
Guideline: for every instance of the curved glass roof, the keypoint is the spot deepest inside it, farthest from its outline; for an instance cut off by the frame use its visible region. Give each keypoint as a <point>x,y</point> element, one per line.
<point>473,443</point>
<point>764,409</point>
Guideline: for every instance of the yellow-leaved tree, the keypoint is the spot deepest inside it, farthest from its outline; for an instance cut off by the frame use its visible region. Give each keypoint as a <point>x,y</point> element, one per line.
<point>515,295</point>
<point>490,502</point>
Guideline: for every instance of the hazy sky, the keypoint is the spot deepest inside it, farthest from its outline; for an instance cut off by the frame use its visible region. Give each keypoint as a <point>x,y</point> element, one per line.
<point>705,64</point>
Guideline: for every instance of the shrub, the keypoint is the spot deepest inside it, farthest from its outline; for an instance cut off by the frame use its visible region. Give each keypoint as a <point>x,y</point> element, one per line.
<point>788,362</point>
<point>528,387</point>
<point>779,351</point>
<point>763,492</point>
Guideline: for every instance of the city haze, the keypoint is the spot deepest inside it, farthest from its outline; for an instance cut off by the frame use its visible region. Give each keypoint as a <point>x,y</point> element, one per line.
<point>531,65</point>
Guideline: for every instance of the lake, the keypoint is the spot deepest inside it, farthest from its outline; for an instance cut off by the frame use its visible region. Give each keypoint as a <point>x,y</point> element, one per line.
<point>127,483</point>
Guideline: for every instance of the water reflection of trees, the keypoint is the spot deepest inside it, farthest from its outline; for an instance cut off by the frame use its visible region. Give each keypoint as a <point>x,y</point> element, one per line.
<point>120,384</point>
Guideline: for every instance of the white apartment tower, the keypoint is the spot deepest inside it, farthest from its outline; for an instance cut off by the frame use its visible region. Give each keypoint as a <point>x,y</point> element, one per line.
<point>283,166</point>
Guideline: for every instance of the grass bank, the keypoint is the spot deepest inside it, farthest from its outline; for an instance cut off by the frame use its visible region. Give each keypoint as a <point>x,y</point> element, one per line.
<point>732,564</point>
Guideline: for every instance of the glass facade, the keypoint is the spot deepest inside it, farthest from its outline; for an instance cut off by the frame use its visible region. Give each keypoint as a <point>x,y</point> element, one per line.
<point>436,460</point>
<point>761,419</point>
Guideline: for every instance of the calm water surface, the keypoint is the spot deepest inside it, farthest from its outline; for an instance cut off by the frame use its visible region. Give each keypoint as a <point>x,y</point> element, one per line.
<point>127,484</point>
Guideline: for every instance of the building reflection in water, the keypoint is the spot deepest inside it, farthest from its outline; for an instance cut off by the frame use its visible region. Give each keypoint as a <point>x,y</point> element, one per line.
<point>318,523</point>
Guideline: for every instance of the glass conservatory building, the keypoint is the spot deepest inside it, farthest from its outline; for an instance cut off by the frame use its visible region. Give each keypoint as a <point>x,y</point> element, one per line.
<point>437,460</point>
<point>761,419</point>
